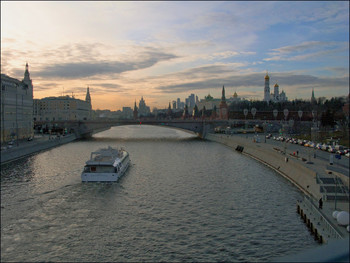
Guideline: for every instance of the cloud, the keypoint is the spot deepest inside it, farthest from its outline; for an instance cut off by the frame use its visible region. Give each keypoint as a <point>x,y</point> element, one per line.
<point>75,70</point>
<point>254,80</point>
<point>306,50</point>
<point>301,47</point>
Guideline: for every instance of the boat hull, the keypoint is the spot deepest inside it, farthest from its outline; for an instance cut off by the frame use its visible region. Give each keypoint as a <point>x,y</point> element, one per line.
<point>103,177</point>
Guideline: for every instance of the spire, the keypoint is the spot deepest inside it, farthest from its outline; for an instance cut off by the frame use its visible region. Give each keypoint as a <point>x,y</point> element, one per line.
<point>135,112</point>
<point>313,99</point>
<point>26,72</point>
<point>267,76</point>
<point>88,97</point>
<point>223,94</point>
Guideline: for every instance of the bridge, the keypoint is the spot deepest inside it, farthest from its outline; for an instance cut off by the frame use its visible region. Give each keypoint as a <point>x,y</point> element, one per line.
<point>200,127</point>
<point>90,127</point>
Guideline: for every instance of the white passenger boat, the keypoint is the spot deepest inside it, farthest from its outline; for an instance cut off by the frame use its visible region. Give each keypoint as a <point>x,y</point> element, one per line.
<point>106,165</point>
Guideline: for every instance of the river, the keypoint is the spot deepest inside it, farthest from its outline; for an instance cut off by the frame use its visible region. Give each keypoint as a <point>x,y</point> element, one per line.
<point>182,199</point>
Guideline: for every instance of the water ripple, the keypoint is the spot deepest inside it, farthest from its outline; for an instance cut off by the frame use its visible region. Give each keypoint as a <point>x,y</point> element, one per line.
<point>182,199</point>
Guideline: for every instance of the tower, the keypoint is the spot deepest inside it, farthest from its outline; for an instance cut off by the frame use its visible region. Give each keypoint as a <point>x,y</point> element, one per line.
<point>313,99</point>
<point>223,106</point>
<point>135,111</point>
<point>169,112</point>
<point>87,97</point>
<point>276,93</point>
<point>185,112</point>
<point>27,81</point>
<point>267,88</point>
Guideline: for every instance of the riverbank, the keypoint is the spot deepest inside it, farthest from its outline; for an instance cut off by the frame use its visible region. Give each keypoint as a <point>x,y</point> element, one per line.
<point>301,173</point>
<point>39,143</point>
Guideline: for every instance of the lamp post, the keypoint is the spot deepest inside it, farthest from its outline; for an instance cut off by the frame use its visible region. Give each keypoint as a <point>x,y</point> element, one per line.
<point>285,112</point>
<point>245,112</point>
<point>291,124</point>
<point>314,113</point>
<point>253,111</point>
<point>300,114</point>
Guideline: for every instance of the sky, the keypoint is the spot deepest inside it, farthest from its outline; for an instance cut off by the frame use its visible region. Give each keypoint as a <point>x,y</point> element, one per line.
<point>168,50</point>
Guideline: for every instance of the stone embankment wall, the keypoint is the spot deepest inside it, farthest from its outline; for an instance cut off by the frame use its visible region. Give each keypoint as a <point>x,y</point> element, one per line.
<point>25,150</point>
<point>301,176</point>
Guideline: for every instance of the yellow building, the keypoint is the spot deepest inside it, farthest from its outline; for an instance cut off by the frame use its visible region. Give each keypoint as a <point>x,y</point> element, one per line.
<point>62,108</point>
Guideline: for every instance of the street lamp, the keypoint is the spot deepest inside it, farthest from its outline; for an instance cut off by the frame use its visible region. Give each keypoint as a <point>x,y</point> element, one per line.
<point>300,114</point>
<point>245,112</point>
<point>253,111</point>
<point>291,124</point>
<point>275,113</point>
<point>285,112</point>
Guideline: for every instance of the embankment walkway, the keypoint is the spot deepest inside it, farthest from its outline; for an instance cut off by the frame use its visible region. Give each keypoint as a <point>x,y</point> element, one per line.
<point>301,173</point>
<point>39,143</point>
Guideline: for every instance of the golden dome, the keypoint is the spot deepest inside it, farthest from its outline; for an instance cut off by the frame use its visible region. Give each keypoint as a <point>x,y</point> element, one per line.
<point>267,76</point>
<point>276,85</point>
<point>235,95</point>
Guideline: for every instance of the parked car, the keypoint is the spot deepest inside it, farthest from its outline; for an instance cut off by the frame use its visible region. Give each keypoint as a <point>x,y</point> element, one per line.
<point>312,145</point>
<point>341,152</point>
<point>331,149</point>
<point>339,147</point>
<point>347,154</point>
<point>325,147</point>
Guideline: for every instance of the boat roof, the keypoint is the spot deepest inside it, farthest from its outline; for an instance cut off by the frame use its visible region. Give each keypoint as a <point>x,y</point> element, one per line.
<point>106,156</point>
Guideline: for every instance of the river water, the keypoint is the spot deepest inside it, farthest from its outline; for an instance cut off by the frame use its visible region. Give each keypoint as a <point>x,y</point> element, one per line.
<point>182,199</point>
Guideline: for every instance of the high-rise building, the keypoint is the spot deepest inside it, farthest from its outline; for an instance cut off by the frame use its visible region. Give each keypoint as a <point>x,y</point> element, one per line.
<point>143,109</point>
<point>192,101</point>
<point>178,105</point>
<point>16,107</point>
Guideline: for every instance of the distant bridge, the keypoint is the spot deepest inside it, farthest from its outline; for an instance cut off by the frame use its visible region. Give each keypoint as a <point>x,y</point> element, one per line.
<point>198,126</point>
<point>90,127</point>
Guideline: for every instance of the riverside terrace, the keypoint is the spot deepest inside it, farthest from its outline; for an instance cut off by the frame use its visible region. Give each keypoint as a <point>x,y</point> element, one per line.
<point>198,126</point>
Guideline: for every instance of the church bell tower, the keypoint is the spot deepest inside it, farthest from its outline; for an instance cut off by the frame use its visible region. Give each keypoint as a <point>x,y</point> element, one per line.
<point>267,88</point>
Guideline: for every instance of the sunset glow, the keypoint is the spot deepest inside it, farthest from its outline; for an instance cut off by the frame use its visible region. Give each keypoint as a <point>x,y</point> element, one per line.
<point>166,50</point>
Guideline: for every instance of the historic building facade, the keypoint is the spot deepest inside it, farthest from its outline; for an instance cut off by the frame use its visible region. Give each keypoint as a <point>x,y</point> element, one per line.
<point>276,96</point>
<point>62,108</point>
<point>143,110</point>
<point>16,107</point>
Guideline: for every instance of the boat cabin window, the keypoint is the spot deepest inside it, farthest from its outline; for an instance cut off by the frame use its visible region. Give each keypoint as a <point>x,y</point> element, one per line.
<point>93,169</point>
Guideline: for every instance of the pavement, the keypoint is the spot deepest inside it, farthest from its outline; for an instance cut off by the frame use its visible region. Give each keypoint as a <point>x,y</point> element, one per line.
<point>22,148</point>
<point>303,170</point>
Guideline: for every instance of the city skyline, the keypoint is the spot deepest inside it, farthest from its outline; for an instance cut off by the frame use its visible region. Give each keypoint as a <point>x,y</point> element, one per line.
<point>168,50</point>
